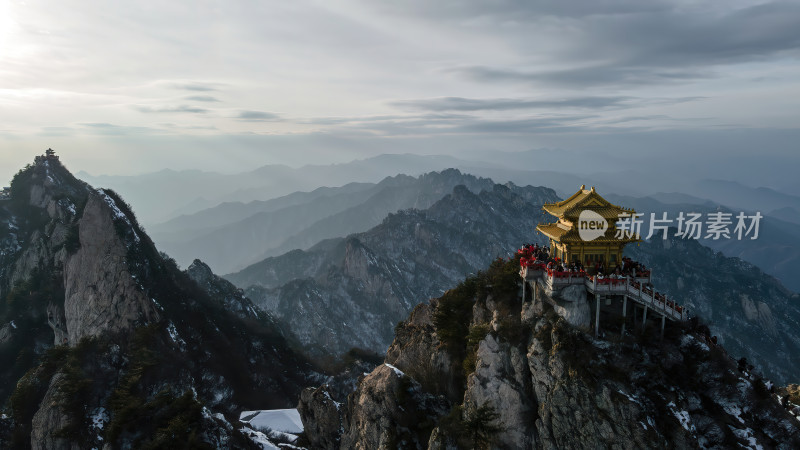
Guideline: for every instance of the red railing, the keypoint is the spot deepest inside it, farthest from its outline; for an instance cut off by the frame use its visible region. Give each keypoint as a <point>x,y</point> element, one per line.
<point>531,264</point>
<point>608,281</point>
<point>565,274</point>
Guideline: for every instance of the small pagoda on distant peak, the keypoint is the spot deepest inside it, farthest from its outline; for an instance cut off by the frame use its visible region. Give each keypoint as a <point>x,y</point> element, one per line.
<point>586,228</point>
<point>49,155</point>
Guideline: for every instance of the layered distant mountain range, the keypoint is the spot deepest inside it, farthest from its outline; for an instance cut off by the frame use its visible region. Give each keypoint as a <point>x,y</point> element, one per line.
<point>105,341</point>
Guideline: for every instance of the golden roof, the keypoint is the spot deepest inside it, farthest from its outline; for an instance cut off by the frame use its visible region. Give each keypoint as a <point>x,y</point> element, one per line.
<point>585,199</point>
<point>551,230</point>
<point>569,210</point>
<point>559,234</point>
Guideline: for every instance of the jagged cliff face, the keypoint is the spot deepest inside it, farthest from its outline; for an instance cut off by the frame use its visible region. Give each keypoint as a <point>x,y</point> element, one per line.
<point>519,376</point>
<point>352,292</point>
<point>103,341</point>
<point>101,295</point>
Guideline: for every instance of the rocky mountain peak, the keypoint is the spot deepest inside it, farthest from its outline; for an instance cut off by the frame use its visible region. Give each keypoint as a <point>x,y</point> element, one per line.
<point>88,237</point>
<point>199,271</point>
<point>449,177</point>
<point>44,181</point>
<point>226,294</point>
<point>89,306</point>
<point>462,192</point>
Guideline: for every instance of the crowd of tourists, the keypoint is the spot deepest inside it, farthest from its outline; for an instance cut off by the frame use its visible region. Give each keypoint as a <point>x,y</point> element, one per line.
<point>539,257</point>
<point>531,254</point>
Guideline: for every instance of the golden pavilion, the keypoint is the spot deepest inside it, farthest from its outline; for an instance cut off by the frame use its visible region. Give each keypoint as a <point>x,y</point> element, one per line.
<point>586,229</point>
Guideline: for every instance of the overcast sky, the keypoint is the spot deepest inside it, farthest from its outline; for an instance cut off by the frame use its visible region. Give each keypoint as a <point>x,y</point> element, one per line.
<point>129,87</point>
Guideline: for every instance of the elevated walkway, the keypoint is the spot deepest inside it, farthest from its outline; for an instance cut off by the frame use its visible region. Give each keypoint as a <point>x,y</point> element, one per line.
<point>633,289</point>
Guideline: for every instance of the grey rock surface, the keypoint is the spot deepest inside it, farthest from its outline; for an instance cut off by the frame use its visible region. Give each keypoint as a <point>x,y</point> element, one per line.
<point>100,293</point>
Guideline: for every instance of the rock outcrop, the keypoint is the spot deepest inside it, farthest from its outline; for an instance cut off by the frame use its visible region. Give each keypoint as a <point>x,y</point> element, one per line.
<point>759,313</point>
<point>418,349</point>
<point>5,333</point>
<point>571,304</point>
<point>389,410</point>
<point>323,416</point>
<point>50,419</point>
<point>502,381</point>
